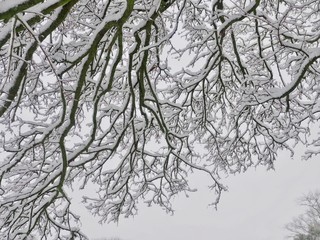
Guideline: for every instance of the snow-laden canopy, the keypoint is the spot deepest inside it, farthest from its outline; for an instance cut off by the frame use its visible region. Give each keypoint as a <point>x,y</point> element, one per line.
<point>131,96</point>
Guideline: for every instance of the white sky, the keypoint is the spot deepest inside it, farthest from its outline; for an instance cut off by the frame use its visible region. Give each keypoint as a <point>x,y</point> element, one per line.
<point>257,206</point>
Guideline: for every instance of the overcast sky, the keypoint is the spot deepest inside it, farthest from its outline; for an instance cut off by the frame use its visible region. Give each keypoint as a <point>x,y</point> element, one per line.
<point>257,206</point>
